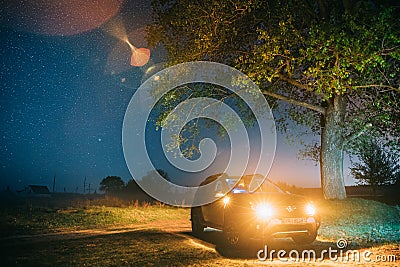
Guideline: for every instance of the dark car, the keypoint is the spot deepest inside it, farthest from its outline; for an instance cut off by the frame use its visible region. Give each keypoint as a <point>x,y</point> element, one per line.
<point>255,208</point>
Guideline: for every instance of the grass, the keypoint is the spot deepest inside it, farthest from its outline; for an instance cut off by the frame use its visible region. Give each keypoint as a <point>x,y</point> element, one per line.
<point>19,220</point>
<point>364,224</point>
<point>145,248</point>
<point>359,221</point>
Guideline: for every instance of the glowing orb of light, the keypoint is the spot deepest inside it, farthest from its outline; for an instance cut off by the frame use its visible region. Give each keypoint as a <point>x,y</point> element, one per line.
<point>124,55</point>
<point>140,57</point>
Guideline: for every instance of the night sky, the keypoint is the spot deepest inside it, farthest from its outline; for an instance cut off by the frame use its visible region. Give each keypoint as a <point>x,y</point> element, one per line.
<point>65,86</point>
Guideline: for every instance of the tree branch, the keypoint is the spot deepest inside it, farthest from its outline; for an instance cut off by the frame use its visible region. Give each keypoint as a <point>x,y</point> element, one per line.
<point>347,6</point>
<point>323,9</point>
<point>289,80</point>
<point>355,135</point>
<point>293,82</point>
<point>296,102</point>
<point>377,85</point>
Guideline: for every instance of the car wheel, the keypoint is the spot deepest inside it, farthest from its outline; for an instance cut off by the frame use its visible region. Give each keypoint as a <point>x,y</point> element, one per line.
<point>233,235</point>
<point>197,221</point>
<point>305,238</point>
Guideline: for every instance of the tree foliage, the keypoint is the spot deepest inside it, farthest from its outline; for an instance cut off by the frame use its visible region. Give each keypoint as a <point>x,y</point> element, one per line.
<point>111,184</point>
<point>376,166</point>
<point>337,63</point>
<point>305,51</point>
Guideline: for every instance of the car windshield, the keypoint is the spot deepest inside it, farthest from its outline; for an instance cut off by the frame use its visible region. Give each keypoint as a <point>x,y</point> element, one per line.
<point>251,183</point>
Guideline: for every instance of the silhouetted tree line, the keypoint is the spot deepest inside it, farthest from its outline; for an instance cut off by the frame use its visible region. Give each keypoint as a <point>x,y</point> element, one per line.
<point>116,187</point>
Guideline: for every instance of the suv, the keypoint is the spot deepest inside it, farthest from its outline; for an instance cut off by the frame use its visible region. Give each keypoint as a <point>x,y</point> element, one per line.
<point>255,207</point>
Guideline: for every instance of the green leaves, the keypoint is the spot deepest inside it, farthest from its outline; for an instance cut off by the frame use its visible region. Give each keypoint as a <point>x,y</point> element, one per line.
<point>377,166</point>
<point>329,58</point>
<point>296,49</point>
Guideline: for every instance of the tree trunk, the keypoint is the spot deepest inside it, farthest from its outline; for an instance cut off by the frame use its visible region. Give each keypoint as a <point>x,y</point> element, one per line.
<point>331,157</point>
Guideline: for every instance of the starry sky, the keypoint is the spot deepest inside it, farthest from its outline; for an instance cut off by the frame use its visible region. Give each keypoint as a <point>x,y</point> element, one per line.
<point>65,85</point>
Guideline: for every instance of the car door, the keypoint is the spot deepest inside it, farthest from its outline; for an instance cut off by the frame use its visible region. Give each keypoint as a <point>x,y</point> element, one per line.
<point>213,213</point>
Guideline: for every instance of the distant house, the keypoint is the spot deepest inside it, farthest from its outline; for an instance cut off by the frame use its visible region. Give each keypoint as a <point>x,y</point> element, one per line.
<point>35,191</point>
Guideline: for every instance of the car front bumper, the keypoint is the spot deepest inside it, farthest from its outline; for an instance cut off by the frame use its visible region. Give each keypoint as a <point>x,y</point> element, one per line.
<point>282,227</point>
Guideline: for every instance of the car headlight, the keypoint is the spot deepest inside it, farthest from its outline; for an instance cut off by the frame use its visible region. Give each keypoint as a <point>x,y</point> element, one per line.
<point>264,211</point>
<point>310,210</point>
<point>226,200</point>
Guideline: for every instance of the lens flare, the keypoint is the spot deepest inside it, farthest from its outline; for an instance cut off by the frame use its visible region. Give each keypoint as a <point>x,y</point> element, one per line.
<point>49,17</point>
<point>139,56</point>
<point>310,210</point>
<point>264,211</point>
<point>226,200</point>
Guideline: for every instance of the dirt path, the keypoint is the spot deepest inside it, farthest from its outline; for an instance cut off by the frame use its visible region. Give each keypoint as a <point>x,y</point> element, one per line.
<point>171,226</point>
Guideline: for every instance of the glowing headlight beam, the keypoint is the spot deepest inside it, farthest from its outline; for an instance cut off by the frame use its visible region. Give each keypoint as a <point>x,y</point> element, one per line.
<point>310,210</point>
<point>226,200</point>
<point>264,211</point>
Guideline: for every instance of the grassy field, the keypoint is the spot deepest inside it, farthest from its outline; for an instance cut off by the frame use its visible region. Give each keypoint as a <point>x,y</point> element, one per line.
<point>360,221</point>
<point>32,219</point>
<point>364,224</point>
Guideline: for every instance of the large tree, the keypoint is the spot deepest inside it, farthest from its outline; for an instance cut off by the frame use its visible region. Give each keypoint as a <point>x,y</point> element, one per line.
<point>336,62</point>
